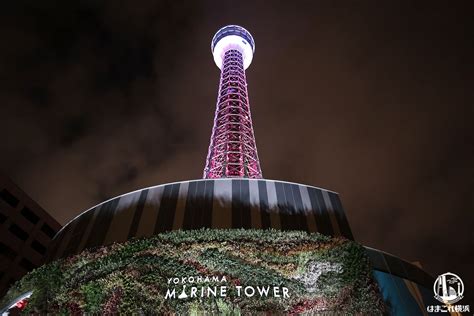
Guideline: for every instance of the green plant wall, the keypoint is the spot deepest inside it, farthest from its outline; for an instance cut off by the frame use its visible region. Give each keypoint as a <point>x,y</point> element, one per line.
<point>288,272</point>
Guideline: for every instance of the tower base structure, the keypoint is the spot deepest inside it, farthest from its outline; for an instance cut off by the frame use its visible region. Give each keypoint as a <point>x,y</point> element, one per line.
<point>273,246</point>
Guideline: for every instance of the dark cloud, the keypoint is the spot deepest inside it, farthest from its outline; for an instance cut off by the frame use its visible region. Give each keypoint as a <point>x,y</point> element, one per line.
<point>372,100</point>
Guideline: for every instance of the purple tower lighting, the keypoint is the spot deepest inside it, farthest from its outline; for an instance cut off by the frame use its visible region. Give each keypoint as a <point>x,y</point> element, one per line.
<point>232,150</point>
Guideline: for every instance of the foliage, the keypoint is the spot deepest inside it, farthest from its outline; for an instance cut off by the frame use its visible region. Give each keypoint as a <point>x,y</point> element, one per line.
<point>133,277</point>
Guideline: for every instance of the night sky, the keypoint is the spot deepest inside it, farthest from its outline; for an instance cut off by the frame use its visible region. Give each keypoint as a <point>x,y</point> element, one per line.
<point>371,99</point>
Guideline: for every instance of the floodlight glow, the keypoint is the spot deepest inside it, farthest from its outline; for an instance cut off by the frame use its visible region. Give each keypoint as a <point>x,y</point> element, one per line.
<point>233,37</point>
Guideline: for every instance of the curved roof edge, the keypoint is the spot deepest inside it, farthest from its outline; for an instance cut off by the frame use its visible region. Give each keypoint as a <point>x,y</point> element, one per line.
<point>389,263</point>
<point>169,183</point>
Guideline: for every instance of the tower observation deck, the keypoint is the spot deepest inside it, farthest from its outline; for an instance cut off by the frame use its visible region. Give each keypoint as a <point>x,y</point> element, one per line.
<point>232,150</point>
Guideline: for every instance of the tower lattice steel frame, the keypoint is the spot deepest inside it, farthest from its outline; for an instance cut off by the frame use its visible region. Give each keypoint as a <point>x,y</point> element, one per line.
<point>232,150</point>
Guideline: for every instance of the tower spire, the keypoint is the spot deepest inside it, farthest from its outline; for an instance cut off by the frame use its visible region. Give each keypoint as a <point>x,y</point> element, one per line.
<point>232,150</point>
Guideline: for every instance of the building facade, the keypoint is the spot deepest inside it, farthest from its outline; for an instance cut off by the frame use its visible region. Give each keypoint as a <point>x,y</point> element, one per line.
<point>26,231</point>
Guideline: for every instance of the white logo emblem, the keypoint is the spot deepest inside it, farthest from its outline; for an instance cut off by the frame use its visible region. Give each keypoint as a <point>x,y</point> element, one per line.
<point>448,288</point>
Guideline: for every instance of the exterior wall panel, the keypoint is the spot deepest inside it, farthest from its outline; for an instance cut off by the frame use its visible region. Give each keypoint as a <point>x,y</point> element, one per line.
<point>220,203</point>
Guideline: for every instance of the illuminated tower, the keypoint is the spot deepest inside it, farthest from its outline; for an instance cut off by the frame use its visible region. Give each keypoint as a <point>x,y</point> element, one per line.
<point>232,150</point>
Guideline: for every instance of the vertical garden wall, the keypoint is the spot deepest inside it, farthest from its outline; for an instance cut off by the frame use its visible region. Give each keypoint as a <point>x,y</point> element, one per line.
<point>230,271</point>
